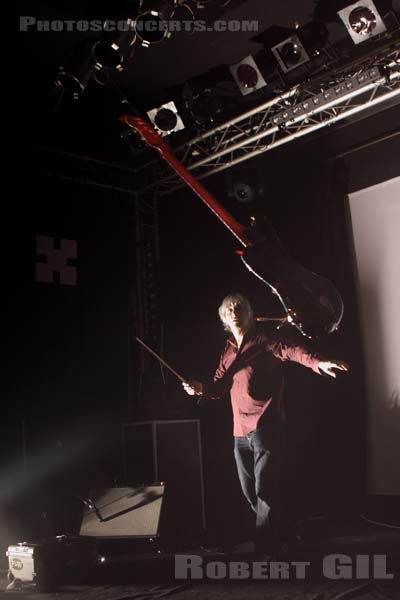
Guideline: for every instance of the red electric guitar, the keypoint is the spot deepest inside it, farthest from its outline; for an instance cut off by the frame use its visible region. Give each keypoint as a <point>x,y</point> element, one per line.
<point>311,302</point>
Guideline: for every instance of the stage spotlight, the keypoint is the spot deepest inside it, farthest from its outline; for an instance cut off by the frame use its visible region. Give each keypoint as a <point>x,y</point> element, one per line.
<point>151,25</point>
<point>247,75</point>
<point>77,71</point>
<point>113,52</point>
<point>166,119</point>
<point>212,97</point>
<point>73,83</point>
<point>302,46</point>
<point>290,49</point>
<point>290,53</point>
<point>362,20</point>
<point>184,15</point>
<point>206,107</point>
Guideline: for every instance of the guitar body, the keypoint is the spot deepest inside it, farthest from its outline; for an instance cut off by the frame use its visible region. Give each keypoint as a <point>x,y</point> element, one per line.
<point>311,302</point>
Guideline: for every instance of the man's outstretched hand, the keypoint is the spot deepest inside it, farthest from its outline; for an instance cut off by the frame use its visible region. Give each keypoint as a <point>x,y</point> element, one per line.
<point>193,387</point>
<point>328,366</point>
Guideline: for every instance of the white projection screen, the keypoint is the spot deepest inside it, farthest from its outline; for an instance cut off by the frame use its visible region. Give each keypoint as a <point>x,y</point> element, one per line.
<point>375,215</point>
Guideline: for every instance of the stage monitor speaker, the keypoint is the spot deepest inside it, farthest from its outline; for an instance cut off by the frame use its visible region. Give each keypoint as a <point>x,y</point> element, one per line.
<point>133,512</point>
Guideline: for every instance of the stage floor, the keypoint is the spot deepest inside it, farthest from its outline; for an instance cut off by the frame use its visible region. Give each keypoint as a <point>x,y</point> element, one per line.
<point>333,561</point>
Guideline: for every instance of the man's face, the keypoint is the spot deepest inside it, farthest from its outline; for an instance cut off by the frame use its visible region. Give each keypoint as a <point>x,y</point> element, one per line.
<point>236,316</point>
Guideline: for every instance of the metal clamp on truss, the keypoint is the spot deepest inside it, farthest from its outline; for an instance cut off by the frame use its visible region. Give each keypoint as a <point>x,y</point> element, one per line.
<point>326,99</point>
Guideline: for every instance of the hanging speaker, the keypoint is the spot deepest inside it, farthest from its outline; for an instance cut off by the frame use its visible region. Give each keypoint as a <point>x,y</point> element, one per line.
<point>128,512</point>
<point>245,187</point>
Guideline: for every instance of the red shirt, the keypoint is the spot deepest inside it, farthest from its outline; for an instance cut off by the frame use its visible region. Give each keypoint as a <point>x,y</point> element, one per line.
<point>254,376</point>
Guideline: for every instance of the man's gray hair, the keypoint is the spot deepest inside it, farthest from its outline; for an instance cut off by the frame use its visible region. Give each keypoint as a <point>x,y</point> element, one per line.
<point>234,299</point>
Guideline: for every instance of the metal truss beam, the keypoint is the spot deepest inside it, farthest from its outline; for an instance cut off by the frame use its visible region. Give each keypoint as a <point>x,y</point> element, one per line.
<point>147,317</point>
<point>302,110</point>
<point>53,162</point>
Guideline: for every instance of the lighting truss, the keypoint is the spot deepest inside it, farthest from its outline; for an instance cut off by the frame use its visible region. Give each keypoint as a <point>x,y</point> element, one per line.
<point>146,315</point>
<point>302,110</point>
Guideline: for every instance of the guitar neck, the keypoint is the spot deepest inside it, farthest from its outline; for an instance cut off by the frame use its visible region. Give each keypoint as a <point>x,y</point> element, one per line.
<point>155,141</point>
<point>238,230</point>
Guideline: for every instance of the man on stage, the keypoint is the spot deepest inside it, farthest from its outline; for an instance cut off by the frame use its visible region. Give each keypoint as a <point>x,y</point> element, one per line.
<point>250,368</point>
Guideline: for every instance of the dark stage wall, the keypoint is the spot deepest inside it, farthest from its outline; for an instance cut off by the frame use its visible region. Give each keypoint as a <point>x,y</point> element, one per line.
<point>67,360</point>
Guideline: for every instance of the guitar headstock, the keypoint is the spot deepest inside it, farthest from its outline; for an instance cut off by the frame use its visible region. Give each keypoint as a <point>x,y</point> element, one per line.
<point>147,133</point>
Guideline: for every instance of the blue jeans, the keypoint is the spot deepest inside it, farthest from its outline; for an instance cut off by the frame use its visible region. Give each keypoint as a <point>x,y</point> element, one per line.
<point>257,457</point>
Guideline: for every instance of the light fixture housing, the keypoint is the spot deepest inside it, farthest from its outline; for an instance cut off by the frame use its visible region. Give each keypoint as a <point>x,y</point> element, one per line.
<point>247,75</point>
<point>362,20</point>
<point>151,24</point>
<point>114,51</point>
<point>77,71</point>
<point>166,119</point>
<point>290,53</point>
